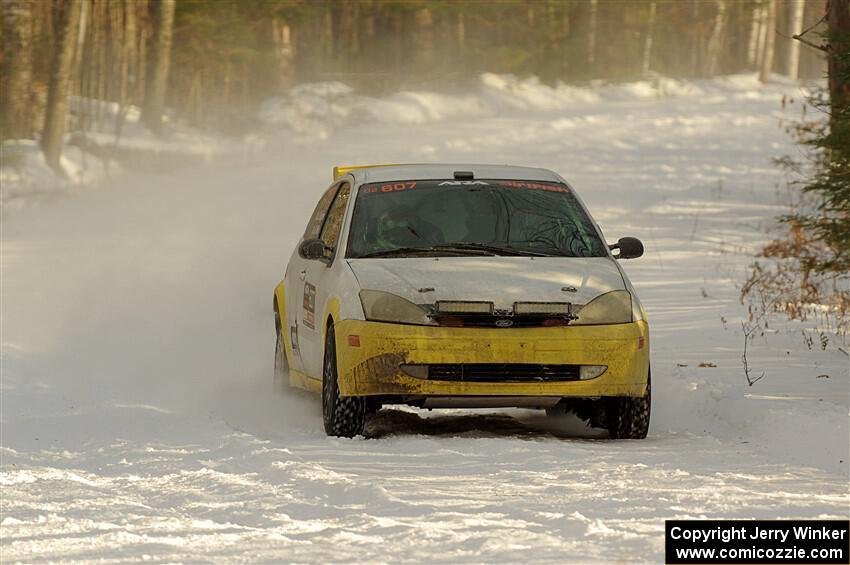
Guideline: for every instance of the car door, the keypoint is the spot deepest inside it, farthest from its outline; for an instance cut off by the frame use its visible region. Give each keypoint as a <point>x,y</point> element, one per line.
<point>318,283</point>
<point>296,282</point>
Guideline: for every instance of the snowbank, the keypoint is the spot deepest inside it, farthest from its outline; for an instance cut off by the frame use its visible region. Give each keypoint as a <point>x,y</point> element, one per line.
<point>316,109</point>
<point>117,140</point>
<point>114,131</point>
<point>24,171</point>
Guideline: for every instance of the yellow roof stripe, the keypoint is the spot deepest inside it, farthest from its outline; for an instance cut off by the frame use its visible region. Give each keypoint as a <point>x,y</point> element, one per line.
<point>342,170</point>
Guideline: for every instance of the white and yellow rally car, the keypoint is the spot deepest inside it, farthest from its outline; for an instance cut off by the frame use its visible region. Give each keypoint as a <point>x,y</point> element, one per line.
<point>461,286</point>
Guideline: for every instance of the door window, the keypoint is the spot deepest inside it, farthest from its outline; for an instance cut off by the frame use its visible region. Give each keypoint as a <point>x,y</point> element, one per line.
<point>333,223</point>
<point>314,226</point>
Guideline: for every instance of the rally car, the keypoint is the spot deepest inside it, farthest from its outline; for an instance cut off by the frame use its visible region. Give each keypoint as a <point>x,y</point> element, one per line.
<point>461,286</point>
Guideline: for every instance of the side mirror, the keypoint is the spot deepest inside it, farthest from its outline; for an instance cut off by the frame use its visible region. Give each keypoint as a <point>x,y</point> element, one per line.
<point>630,248</point>
<point>312,249</point>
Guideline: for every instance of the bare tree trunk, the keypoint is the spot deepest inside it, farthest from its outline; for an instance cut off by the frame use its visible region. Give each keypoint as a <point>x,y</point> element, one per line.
<point>398,44</point>
<point>696,42</point>
<point>328,49</point>
<point>769,41</point>
<point>813,62</point>
<point>343,25</point>
<point>591,33</point>
<point>117,62</point>
<point>42,27</point>
<point>82,29</point>
<point>565,20</point>
<point>128,61</point>
<point>99,26</point>
<point>157,80</point>
<point>753,42</point>
<point>58,86</point>
<point>142,22</point>
<point>795,25</point>
<point>353,30</point>
<point>367,22</point>
<point>838,20</point>
<point>284,52</point>
<point>17,69</point>
<point>715,41</point>
<point>82,74</point>
<point>125,60</point>
<point>647,42</point>
<point>424,41</point>
<point>762,39</point>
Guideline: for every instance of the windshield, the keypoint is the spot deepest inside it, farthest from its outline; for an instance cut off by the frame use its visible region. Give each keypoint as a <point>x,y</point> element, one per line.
<point>490,217</point>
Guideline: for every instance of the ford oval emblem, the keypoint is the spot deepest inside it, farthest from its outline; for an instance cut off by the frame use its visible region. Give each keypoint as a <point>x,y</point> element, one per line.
<point>504,323</point>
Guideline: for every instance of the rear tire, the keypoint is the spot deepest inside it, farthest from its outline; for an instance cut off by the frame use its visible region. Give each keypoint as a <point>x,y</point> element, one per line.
<point>628,418</point>
<point>281,365</point>
<point>343,416</point>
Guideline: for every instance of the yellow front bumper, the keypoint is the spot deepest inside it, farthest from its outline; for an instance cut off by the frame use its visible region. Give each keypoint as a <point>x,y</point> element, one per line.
<point>372,368</point>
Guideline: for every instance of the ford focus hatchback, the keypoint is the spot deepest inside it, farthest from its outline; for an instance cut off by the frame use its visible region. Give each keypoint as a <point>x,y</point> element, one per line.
<point>462,286</point>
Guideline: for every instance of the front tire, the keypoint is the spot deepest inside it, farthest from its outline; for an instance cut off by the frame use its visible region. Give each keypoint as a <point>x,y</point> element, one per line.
<point>343,416</point>
<point>628,418</point>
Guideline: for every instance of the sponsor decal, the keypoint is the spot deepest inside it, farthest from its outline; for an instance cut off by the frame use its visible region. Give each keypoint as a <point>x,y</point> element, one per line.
<point>534,186</point>
<point>392,187</point>
<point>309,306</point>
<point>463,183</point>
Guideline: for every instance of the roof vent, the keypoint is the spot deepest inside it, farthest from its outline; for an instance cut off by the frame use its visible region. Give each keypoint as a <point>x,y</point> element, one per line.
<point>464,175</point>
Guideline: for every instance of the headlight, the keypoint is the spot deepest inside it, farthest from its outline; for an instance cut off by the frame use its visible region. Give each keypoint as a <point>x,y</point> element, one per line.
<point>613,307</point>
<point>381,306</point>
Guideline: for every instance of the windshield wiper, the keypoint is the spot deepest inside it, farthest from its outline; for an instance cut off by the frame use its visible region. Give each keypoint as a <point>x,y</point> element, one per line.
<point>493,249</point>
<point>427,249</point>
<point>461,247</point>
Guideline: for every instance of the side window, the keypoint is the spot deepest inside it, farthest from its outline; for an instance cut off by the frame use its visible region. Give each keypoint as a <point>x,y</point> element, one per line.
<point>333,224</point>
<point>314,226</point>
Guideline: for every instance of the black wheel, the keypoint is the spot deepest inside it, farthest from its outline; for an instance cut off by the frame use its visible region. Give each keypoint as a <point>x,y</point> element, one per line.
<point>344,416</point>
<point>281,365</point>
<point>628,418</point>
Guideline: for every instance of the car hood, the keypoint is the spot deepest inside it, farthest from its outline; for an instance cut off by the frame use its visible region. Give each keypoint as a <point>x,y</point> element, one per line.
<point>502,280</point>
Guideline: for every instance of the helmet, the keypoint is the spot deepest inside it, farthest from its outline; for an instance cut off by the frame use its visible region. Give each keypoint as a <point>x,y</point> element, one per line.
<point>394,228</point>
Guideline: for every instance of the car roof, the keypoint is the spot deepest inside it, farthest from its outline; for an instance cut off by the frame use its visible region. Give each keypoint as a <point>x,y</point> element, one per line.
<point>386,173</point>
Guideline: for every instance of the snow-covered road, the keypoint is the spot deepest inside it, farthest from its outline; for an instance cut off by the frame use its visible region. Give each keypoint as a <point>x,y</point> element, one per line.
<point>137,420</point>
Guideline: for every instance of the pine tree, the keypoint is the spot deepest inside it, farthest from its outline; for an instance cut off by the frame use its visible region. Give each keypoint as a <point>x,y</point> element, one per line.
<point>831,142</point>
